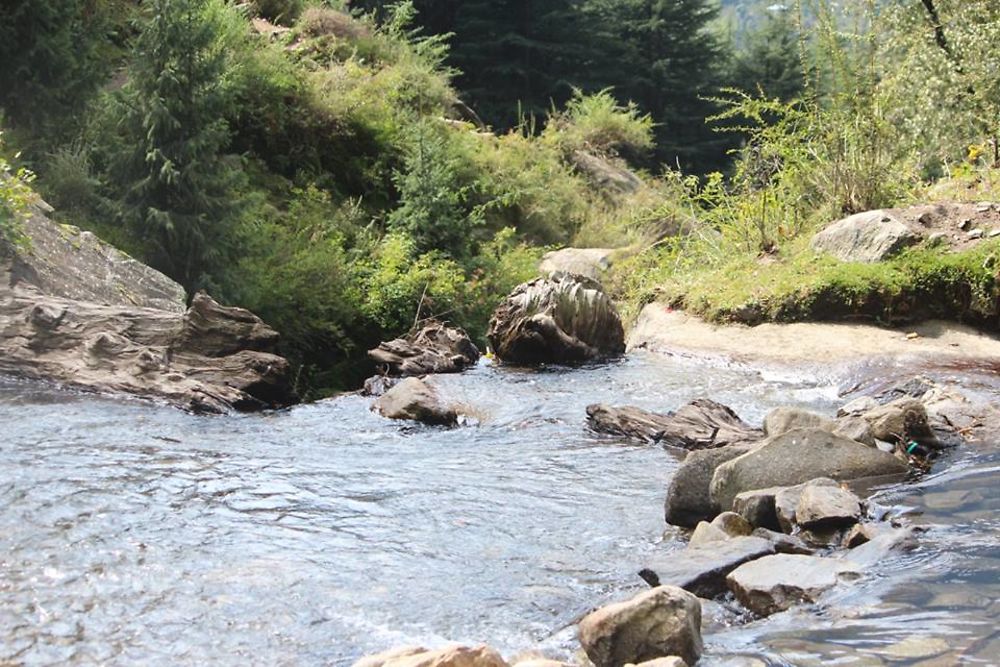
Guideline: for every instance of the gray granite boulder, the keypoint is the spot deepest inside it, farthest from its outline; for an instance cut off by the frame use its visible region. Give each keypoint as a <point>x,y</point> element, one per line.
<point>868,237</point>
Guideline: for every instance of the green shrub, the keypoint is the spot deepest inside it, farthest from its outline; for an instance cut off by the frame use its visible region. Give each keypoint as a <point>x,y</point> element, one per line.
<point>599,124</point>
<point>282,12</point>
<point>16,197</point>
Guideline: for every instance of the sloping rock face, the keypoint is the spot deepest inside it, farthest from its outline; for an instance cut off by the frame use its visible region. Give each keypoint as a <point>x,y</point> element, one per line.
<point>78,312</point>
<point>435,348</point>
<point>866,237</point>
<point>588,262</point>
<point>563,319</point>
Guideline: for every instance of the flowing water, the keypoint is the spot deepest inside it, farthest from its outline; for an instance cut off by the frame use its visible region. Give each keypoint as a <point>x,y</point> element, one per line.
<point>137,534</point>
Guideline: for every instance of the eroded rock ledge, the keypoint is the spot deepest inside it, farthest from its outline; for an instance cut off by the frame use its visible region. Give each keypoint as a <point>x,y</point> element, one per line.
<point>78,312</point>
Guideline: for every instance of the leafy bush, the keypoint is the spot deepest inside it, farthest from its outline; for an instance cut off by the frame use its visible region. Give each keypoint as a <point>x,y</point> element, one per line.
<point>599,124</point>
<point>16,196</point>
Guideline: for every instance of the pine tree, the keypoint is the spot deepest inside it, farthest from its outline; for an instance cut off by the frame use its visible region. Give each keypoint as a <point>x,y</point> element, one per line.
<point>178,187</point>
<point>770,60</point>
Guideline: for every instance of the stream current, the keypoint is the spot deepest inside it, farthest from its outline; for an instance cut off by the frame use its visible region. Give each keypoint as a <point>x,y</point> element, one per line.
<point>137,534</point>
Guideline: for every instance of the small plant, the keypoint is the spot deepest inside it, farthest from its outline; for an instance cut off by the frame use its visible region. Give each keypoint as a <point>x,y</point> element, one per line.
<point>599,124</point>
<point>16,197</point>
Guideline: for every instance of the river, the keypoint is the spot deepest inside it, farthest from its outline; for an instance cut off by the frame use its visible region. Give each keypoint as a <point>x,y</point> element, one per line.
<point>137,534</point>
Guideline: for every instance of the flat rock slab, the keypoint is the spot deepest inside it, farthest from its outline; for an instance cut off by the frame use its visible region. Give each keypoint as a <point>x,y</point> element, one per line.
<point>702,569</point>
<point>701,424</point>
<point>776,583</point>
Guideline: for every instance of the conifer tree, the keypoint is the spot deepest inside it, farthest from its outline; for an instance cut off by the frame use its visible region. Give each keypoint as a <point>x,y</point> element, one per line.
<point>770,60</point>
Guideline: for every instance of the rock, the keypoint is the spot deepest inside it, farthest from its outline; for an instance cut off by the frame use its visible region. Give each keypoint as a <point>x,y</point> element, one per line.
<point>786,501</point>
<point>672,661</point>
<point>541,662</point>
<point>688,500</point>
<point>757,507</point>
<point>380,659</point>
<point>377,385</point>
<point>901,421</point>
<point>416,400</point>
<point>783,419</point>
<point>701,424</point>
<point>865,237</point>
<point>659,623</point>
<point>775,583</point>
<point>877,549</point>
<point>702,569</point>
<point>435,348</point>
<point>732,524</point>
<point>855,428</point>
<point>556,320</point>
<point>860,534</point>
<point>705,532</point>
<point>975,233</point>
<point>75,311</point>
<point>610,176</point>
<point>783,544</point>
<point>452,656</point>
<point>858,406</point>
<point>587,262</point>
<point>823,507</point>
<point>797,457</point>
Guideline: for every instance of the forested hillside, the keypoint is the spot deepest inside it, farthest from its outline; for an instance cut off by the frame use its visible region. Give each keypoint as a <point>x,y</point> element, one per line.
<point>345,170</point>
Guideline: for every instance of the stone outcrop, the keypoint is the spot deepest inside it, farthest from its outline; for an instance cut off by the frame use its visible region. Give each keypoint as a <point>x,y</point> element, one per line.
<point>702,569</point>
<point>564,319</point>
<point>775,583</point>
<point>796,457</point>
<point>662,622</point>
<point>435,348</point>
<point>866,237</point>
<point>416,400</point>
<point>78,312</point>
<point>701,424</point>
<point>587,262</point>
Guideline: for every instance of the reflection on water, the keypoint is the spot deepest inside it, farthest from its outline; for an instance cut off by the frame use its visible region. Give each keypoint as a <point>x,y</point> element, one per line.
<point>131,533</point>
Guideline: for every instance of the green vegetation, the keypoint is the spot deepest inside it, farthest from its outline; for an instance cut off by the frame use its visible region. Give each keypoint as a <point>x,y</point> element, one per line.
<point>15,199</point>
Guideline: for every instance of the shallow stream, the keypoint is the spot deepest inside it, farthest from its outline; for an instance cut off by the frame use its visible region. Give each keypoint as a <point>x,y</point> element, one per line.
<point>137,534</point>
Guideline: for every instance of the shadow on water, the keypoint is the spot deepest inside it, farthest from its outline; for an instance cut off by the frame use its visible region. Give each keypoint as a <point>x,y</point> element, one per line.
<point>131,533</point>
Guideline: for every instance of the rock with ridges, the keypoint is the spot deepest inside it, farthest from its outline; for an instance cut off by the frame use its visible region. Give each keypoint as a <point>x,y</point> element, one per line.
<point>702,569</point>
<point>688,500</point>
<point>826,507</point>
<point>563,319</point>
<point>797,457</point>
<point>701,424</point>
<point>417,400</point>
<point>778,582</point>
<point>435,348</point>
<point>663,622</point>
<point>867,237</point>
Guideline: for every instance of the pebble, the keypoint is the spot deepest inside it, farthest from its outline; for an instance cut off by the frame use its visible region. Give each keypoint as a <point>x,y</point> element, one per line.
<point>976,234</point>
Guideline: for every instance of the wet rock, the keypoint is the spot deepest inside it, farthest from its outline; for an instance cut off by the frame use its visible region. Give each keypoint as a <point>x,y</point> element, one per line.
<point>901,421</point>
<point>701,424</point>
<point>796,457</point>
<point>435,348</point>
<point>416,400</point>
<point>672,661</point>
<point>662,622</point>
<point>705,532</point>
<point>860,534</point>
<point>757,507</point>
<point>786,501</point>
<point>881,546</point>
<point>452,656</point>
<point>563,319</point>
<point>783,419</point>
<point>783,544</point>
<point>380,659</point>
<point>588,262</point>
<point>867,237</point>
<point>702,569</point>
<point>732,524</point>
<point>915,648</point>
<point>377,385</point>
<point>688,500</point>
<point>776,583</point>
<point>855,428</point>
<point>824,507</point>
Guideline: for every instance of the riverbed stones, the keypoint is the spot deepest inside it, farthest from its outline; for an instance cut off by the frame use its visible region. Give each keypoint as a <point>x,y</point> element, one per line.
<point>786,501</point>
<point>700,424</point>
<point>868,237</point>
<point>757,507</point>
<point>900,421</point>
<point>796,457</point>
<point>434,348</point>
<point>776,583</point>
<point>702,569</point>
<point>783,543</point>
<point>859,534</point>
<point>563,319</point>
<point>662,622</point>
<point>823,507</point>
<point>416,400</point>
<point>688,499</point>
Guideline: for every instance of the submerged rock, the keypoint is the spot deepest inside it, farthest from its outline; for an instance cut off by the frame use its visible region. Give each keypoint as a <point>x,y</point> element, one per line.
<point>435,348</point>
<point>796,457</point>
<point>688,499</point>
<point>776,583</point>
<point>701,424</point>
<point>866,237</point>
<point>416,400</point>
<point>702,569</point>
<point>563,319</point>
<point>660,623</point>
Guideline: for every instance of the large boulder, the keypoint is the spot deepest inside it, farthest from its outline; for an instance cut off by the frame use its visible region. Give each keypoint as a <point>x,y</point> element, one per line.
<point>588,262</point>
<point>688,498</point>
<point>434,348</point>
<point>662,622</point>
<point>702,568</point>
<point>866,237</point>
<point>563,319</point>
<point>701,424</point>
<point>775,583</point>
<point>416,400</point>
<point>796,457</point>
<point>78,312</point>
